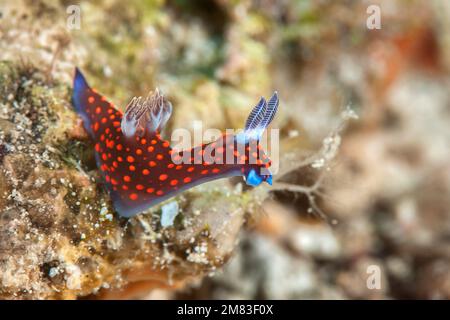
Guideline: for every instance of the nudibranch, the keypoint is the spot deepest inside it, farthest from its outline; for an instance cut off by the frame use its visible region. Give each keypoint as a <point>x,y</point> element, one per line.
<point>139,167</point>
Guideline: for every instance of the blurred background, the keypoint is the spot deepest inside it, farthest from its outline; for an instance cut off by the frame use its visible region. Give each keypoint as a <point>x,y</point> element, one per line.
<point>384,186</point>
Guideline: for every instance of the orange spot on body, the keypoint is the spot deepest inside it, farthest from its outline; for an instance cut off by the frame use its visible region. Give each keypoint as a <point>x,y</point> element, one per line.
<point>150,149</point>
<point>174,182</point>
<point>150,190</point>
<point>152,164</point>
<point>91,99</point>
<point>133,196</point>
<point>127,178</point>
<point>130,159</point>
<point>132,168</point>
<point>159,156</point>
<point>163,177</point>
<point>145,172</point>
<point>98,110</point>
<point>139,187</point>
<point>187,180</point>
<point>159,193</point>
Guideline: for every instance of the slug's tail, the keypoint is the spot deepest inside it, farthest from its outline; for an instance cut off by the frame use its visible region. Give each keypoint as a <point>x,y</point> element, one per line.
<point>79,97</point>
<point>93,108</point>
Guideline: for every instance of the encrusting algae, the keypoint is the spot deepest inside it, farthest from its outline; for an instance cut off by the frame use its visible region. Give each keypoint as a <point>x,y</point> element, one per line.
<point>59,234</point>
<point>60,237</point>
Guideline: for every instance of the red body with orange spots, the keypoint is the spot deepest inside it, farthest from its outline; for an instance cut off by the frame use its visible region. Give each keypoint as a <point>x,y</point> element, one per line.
<point>143,170</point>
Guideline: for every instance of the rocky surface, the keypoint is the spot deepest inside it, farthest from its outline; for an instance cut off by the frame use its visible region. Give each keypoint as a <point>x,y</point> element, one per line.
<point>382,182</point>
<point>60,237</point>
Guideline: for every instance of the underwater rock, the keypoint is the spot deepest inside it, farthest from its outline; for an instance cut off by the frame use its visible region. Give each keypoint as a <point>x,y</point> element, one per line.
<point>60,236</point>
